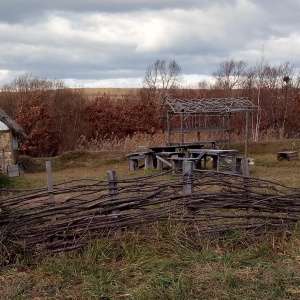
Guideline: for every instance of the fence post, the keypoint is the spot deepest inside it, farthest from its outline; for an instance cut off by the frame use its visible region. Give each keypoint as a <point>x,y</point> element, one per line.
<point>50,189</point>
<point>187,181</point>
<point>247,187</point>
<point>245,167</point>
<point>187,178</point>
<point>113,188</point>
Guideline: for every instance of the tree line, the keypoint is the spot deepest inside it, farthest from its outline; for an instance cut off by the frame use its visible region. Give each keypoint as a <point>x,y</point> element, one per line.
<point>56,117</point>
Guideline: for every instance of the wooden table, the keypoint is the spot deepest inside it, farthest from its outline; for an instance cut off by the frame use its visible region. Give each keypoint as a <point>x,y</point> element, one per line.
<point>163,154</point>
<point>225,158</point>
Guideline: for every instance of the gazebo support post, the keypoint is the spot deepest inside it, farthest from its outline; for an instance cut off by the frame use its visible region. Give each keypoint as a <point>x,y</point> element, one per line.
<point>198,136</point>
<point>181,127</point>
<point>228,130</point>
<point>246,133</point>
<point>169,127</point>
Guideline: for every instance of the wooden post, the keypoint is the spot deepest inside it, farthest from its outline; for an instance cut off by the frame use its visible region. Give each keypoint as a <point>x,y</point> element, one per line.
<point>169,127</point>
<point>113,189</point>
<point>247,187</point>
<point>246,133</point>
<point>245,167</point>
<point>229,130</point>
<point>181,127</point>
<point>241,166</point>
<point>50,189</point>
<point>187,177</point>
<point>187,182</point>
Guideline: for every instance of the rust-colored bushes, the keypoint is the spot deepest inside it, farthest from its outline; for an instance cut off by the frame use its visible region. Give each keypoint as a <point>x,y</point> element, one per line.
<point>110,118</point>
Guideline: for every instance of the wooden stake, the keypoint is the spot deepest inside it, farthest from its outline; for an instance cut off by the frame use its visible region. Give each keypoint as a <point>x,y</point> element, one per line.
<point>50,188</point>
<point>113,188</point>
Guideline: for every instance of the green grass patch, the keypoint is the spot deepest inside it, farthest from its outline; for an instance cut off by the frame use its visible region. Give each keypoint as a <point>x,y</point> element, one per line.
<point>5,181</point>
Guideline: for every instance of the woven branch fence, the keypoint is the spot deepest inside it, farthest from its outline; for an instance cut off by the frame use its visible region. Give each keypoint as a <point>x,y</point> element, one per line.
<point>68,215</point>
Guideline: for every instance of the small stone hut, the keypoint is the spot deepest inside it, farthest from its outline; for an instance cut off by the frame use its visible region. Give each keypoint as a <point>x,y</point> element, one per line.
<point>10,132</point>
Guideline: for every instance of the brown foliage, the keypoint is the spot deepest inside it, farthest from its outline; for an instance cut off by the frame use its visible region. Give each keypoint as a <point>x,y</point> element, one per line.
<point>108,118</point>
<point>57,118</point>
<point>49,113</point>
<point>35,116</point>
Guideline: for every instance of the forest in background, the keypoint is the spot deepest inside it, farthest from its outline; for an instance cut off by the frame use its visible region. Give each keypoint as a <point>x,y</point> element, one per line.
<point>58,118</point>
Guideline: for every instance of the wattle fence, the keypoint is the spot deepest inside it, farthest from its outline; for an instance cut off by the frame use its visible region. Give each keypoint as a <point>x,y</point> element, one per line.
<point>68,215</point>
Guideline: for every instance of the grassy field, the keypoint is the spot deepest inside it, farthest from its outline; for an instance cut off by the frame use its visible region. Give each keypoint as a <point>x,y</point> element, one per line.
<point>162,260</point>
<point>92,93</point>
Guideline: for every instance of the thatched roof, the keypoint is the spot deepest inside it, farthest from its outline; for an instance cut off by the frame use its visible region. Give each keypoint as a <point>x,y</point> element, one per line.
<point>13,125</point>
<point>211,105</point>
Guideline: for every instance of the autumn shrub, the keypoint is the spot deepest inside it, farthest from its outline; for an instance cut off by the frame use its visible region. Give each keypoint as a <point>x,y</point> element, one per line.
<point>49,112</point>
<point>35,116</point>
<point>68,116</point>
<point>110,119</point>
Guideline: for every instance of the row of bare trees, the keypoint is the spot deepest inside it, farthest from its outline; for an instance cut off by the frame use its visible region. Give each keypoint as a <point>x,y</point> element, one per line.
<point>55,116</point>
<point>275,89</point>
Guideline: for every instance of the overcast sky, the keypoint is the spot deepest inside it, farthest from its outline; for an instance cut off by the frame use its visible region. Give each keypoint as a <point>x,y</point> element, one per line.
<point>110,43</point>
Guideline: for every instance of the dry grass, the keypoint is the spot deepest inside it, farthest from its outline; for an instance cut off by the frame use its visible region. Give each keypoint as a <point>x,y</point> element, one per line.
<point>163,261</point>
<point>111,155</point>
<point>74,165</point>
<point>116,93</point>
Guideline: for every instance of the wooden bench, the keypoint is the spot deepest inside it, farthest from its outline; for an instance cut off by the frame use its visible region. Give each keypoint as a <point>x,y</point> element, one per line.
<point>220,158</point>
<point>288,155</point>
<point>134,159</point>
<point>162,158</point>
<point>177,162</point>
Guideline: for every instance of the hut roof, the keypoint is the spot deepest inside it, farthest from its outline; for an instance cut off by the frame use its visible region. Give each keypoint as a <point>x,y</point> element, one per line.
<point>13,125</point>
<point>211,105</point>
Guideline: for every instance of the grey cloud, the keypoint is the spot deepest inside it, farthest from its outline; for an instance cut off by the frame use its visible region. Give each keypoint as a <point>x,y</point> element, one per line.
<point>97,40</point>
<point>14,11</point>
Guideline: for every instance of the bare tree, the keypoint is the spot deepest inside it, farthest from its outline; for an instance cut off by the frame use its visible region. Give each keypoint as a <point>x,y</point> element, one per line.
<point>231,74</point>
<point>161,81</point>
<point>161,77</point>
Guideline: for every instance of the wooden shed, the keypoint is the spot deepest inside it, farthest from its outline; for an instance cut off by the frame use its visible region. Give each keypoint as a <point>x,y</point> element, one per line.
<point>10,132</point>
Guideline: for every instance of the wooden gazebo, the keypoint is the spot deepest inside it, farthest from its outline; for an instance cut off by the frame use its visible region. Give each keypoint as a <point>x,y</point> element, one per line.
<point>190,113</point>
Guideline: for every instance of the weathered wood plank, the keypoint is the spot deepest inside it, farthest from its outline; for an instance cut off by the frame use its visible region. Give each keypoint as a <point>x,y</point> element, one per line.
<point>13,170</point>
<point>216,128</point>
<point>288,155</point>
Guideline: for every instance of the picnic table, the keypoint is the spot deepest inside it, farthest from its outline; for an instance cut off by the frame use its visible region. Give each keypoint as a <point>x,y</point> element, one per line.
<point>158,156</point>
<point>164,153</point>
<point>174,156</point>
<point>221,158</point>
